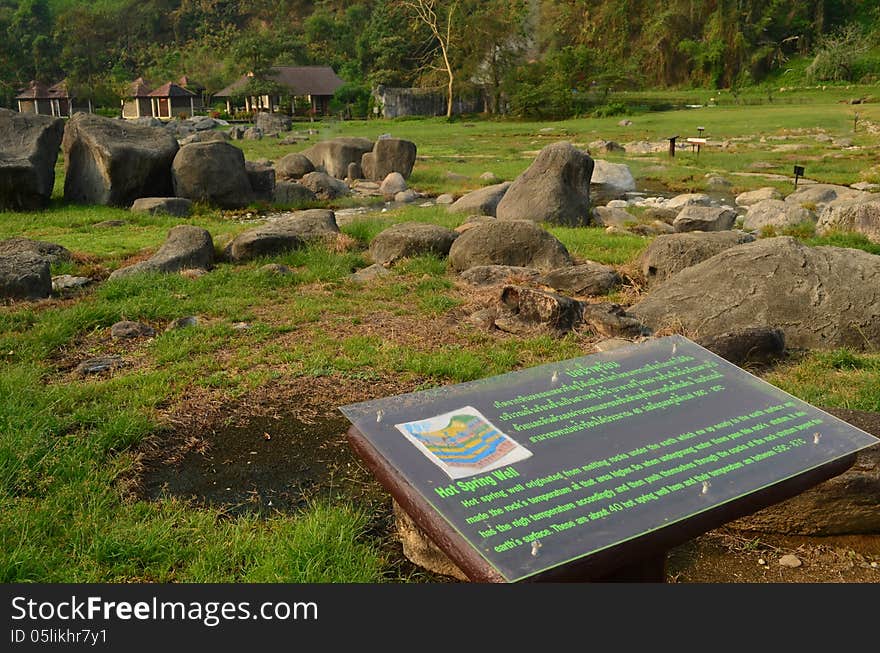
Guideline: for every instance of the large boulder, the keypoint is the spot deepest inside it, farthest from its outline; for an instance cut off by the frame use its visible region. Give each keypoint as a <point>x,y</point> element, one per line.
<point>679,202</point>
<point>555,188</point>
<point>179,207</point>
<point>28,152</point>
<point>293,166</point>
<point>776,214</point>
<point>334,155</point>
<point>820,297</point>
<point>114,162</point>
<point>214,173</point>
<point>272,124</point>
<point>848,504</point>
<point>611,179</point>
<point>262,180</point>
<point>751,197</point>
<point>817,196</point>
<point>290,192</point>
<point>186,247</point>
<point>392,184</point>
<point>389,155</point>
<point>483,201</point>
<point>861,217</point>
<point>588,278</point>
<point>520,243</point>
<point>324,186</point>
<point>287,233</point>
<point>704,218</point>
<point>670,253</point>
<point>411,239</point>
<point>24,275</point>
<point>52,252</point>
<point>490,275</point>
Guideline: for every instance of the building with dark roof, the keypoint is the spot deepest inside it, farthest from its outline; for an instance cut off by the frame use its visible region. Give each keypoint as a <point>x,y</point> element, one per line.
<point>171,100</point>
<point>138,103</point>
<point>41,98</point>
<point>307,87</point>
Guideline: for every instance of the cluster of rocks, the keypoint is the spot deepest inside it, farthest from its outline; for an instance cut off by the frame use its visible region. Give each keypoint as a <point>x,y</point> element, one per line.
<point>116,162</point>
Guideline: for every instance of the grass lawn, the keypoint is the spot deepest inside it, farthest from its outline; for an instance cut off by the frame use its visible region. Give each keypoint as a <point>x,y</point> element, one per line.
<point>73,449</point>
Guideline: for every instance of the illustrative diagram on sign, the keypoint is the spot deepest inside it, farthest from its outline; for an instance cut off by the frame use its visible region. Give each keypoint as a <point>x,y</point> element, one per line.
<point>463,442</point>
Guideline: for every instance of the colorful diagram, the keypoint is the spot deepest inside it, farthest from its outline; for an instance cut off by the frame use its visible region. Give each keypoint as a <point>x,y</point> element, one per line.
<point>463,442</point>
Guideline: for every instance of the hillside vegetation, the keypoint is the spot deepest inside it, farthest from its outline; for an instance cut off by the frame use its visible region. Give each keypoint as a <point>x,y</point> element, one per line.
<point>534,57</point>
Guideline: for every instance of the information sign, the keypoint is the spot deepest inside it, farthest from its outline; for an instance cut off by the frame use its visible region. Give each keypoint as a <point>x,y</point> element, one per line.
<point>541,467</point>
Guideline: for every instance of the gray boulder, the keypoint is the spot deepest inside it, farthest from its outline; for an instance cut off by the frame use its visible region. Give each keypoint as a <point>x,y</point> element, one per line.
<point>262,180</point>
<point>508,242</point>
<point>555,188</point>
<point>754,196</point>
<point>672,253</point>
<point>179,207</point>
<point>389,155</point>
<point>704,218</point>
<point>861,217</point>
<point>392,184</point>
<point>287,233</point>
<point>490,275</point>
<point>214,173</point>
<point>49,251</point>
<point>757,345</point>
<point>252,134</point>
<point>678,202</point>
<point>818,196</point>
<point>28,152</point>
<point>324,186</point>
<point>411,239</point>
<point>776,214</point>
<point>24,275</point>
<point>333,156</point>
<point>290,192</point>
<point>293,166</point>
<point>523,309</point>
<point>186,247</point>
<point>611,179</point>
<point>205,137</point>
<point>585,279</point>
<point>483,201</point>
<point>607,216</point>
<point>848,504</point>
<point>113,162</point>
<point>807,292</point>
<point>272,124</point>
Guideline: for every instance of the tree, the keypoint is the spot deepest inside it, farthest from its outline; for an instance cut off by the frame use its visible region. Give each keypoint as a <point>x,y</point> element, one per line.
<point>439,18</point>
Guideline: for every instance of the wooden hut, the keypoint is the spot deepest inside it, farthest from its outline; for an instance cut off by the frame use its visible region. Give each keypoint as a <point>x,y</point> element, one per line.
<point>55,100</point>
<point>138,103</point>
<point>309,85</point>
<point>171,100</point>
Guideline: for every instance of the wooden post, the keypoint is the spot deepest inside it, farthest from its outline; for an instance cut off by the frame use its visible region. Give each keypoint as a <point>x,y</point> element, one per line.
<point>192,107</point>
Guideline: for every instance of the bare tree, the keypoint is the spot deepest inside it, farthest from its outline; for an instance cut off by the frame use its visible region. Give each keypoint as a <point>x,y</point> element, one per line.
<point>439,17</point>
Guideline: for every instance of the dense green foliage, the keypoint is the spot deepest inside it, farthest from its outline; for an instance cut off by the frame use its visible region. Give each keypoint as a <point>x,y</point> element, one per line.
<point>534,57</point>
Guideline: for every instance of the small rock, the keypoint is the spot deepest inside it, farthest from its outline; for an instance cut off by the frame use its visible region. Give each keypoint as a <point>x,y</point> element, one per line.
<point>193,273</point>
<point>182,323</point>
<point>99,364</point>
<point>445,198</point>
<point>762,562</point>
<point>610,344</point>
<point>790,561</point>
<point>276,268</point>
<point>241,326</point>
<point>370,273</point>
<point>131,329</point>
<point>65,282</point>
